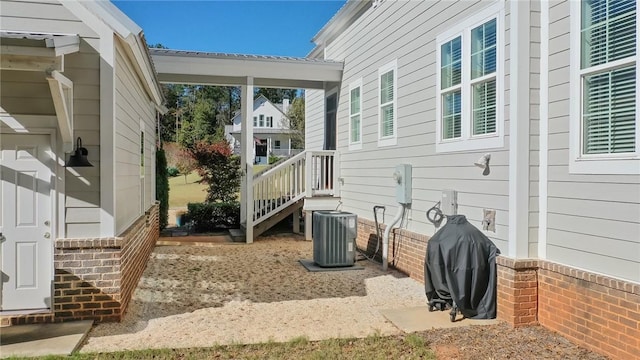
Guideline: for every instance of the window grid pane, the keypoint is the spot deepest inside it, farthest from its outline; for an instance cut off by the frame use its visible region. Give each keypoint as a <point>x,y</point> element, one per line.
<point>451,63</point>
<point>484,107</point>
<point>452,115</point>
<point>608,31</point>
<point>483,49</point>
<point>609,114</point>
<point>355,101</point>
<point>386,125</point>
<point>355,128</point>
<point>386,87</point>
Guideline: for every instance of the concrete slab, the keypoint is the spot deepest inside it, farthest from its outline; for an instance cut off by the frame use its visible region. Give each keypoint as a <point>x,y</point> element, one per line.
<point>43,339</point>
<point>313,267</point>
<point>419,318</point>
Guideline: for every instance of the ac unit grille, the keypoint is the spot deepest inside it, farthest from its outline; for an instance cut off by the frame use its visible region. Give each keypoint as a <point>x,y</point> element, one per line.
<point>334,235</point>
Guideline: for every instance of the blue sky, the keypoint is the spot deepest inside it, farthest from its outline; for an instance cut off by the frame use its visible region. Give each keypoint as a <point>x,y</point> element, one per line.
<point>248,27</point>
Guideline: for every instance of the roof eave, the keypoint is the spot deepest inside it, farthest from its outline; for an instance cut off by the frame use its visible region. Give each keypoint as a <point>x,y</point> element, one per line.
<point>347,14</point>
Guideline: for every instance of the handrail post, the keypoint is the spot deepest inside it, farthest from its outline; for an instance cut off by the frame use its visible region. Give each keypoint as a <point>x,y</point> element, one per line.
<point>309,174</point>
<point>336,173</point>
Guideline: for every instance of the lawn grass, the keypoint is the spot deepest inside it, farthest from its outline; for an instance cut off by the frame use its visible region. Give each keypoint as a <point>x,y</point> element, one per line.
<point>181,193</point>
<point>370,348</point>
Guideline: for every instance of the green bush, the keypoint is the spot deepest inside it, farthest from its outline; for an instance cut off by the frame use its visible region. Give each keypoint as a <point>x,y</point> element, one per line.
<point>172,171</point>
<point>219,169</point>
<point>210,216</point>
<point>162,187</point>
<point>273,159</point>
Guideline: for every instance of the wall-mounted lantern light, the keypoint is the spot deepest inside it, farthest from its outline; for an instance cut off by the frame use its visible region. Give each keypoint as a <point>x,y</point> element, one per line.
<point>79,158</point>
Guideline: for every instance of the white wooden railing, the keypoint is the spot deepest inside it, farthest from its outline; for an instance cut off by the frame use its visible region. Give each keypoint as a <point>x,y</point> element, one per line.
<point>308,174</point>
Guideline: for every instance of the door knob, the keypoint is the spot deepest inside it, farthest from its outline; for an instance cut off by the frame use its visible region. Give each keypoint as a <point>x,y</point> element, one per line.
<point>47,223</point>
<point>47,235</point>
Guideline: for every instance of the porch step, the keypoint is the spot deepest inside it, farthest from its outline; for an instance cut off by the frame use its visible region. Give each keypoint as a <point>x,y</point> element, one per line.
<point>238,235</point>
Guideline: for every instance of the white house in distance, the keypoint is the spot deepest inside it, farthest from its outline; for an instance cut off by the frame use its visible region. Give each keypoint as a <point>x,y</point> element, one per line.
<point>270,129</point>
<point>550,90</point>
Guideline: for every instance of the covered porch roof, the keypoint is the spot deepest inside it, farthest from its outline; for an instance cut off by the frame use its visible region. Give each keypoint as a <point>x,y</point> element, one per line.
<point>207,68</point>
<point>247,71</point>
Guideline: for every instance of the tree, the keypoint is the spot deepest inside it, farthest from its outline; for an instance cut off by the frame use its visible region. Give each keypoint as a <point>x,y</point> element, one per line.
<point>162,187</point>
<point>276,95</point>
<point>185,163</point>
<point>296,122</point>
<point>219,169</point>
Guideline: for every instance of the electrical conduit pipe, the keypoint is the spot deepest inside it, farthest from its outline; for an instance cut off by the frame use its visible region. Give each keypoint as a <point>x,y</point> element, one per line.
<point>385,238</point>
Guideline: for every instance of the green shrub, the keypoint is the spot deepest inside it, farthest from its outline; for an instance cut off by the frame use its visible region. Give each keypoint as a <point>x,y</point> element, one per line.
<point>162,187</point>
<point>210,216</point>
<point>172,171</point>
<point>273,159</point>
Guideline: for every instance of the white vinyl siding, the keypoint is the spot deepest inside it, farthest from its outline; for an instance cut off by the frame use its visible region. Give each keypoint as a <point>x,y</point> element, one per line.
<point>134,114</point>
<point>387,112</point>
<point>605,69</point>
<point>26,92</point>
<point>469,58</point>
<point>406,31</point>
<point>314,119</point>
<point>355,115</point>
<point>593,219</point>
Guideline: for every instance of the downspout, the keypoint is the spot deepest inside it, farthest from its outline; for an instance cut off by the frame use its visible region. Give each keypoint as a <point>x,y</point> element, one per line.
<point>385,238</point>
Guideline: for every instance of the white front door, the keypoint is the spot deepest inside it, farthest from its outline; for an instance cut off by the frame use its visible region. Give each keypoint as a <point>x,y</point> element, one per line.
<point>25,221</point>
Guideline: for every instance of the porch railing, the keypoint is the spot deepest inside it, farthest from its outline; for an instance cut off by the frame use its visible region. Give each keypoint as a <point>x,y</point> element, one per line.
<point>310,173</point>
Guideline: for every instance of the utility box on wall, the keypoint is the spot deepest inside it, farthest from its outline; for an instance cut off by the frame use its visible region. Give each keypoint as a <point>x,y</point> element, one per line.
<point>402,177</point>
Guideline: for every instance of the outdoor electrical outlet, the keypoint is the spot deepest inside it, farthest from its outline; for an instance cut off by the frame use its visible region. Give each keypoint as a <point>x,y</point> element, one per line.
<point>489,220</point>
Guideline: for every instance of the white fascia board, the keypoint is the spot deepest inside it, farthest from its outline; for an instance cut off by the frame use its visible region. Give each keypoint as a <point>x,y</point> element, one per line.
<point>63,45</point>
<point>143,66</point>
<point>338,23</point>
<point>256,68</point>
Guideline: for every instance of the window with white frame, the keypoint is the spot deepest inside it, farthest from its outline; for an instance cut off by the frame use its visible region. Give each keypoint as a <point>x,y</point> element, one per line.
<point>261,121</point>
<point>355,115</point>
<point>387,105</point>
<point>469,83</point>
<point>269,121</point>
<point>255,121</point>
<point>141,149</point>
<point>605,134</point>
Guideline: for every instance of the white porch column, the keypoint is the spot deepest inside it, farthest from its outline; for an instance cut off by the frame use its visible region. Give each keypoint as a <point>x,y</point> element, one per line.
<point>519,122</point>
<point>246,158</point>
<point>289,151</point>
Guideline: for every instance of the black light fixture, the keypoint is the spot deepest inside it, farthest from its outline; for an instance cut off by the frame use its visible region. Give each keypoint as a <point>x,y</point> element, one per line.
<point>79,159</point>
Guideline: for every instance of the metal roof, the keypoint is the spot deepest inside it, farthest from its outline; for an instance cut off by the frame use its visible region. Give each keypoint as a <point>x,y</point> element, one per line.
<point>217,55</point>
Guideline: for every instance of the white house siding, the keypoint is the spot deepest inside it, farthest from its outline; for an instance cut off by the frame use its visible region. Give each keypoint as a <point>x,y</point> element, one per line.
<point>132,106</point>
<point>593,220</point>
<point>406,31</point>
<point>28,93</point>
<point>314,119</point>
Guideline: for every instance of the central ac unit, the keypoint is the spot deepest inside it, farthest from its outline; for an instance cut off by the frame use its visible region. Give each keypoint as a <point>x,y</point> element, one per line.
<point>334,237</point>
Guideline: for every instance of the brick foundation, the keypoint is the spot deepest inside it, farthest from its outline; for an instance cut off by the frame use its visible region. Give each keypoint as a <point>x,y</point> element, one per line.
<point>95,278</point>
<point>594,311</point>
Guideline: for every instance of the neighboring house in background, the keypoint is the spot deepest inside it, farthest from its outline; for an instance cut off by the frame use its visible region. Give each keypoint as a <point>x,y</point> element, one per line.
<point>81,236</point>
<point>270,129</point>
<point>549,89</point>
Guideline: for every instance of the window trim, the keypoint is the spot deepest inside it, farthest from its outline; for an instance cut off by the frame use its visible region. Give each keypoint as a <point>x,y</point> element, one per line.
<point>579,163</point>
<point>468,141</point>
<point>261,120</point>
<point>355,145</point>
<point>393,139</point>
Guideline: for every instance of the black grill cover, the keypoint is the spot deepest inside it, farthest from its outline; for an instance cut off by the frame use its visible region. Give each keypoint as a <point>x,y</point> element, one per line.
<point>460,267</point>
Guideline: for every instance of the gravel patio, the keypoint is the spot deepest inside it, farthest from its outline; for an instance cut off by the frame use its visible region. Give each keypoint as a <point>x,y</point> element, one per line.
<point>215,292</point>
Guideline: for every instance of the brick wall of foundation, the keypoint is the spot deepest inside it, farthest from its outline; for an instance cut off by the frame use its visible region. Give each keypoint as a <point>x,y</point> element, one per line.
<point>594,311</point>
<point>95,278</point>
